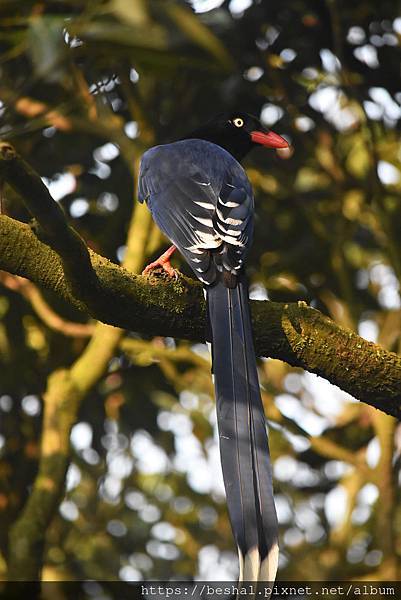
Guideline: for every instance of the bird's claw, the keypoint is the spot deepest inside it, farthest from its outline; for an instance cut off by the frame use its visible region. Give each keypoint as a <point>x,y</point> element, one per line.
<point>163,264</point>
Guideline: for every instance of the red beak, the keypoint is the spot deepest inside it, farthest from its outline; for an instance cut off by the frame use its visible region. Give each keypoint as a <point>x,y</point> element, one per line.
<point>271,139</point>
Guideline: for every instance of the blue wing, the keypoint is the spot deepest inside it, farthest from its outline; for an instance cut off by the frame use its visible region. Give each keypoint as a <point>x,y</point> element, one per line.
<point>201,199</point>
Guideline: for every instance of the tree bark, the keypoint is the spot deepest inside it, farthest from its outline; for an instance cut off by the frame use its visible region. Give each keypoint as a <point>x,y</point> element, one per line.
<point>295,333</point>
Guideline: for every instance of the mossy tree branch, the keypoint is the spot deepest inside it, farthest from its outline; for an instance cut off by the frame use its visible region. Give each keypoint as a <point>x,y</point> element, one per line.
<point>295,333</point>
<point>51,222</point>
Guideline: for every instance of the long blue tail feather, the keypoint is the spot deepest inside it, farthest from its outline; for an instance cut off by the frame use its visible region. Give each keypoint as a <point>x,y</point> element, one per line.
<point>242,431</point>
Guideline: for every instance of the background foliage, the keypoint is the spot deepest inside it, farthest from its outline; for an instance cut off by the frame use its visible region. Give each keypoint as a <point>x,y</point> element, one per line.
<point>85,87</point>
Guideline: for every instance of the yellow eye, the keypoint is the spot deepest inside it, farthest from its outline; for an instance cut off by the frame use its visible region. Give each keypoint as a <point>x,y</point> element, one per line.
<point>238,122</point>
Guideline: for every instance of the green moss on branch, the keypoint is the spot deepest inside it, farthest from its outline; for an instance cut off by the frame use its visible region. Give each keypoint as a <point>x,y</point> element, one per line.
<point>294,333</point>
<point>51,221</point>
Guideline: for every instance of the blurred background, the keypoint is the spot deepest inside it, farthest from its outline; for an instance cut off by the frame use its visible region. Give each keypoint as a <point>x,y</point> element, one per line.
<point>85,88</point>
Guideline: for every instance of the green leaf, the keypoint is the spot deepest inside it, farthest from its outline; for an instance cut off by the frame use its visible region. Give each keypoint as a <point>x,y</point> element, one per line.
<point>195,30</point>
<point>122,35</point>
<point>358,159</point>
<point>133,13</point>
<point>47,47</point>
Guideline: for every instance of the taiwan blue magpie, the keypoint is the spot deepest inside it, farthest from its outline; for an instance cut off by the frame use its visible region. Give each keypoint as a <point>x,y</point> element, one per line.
<point>202,200</point>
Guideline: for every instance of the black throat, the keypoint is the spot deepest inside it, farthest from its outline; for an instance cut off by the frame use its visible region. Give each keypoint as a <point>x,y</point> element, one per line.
<point>236,143</point>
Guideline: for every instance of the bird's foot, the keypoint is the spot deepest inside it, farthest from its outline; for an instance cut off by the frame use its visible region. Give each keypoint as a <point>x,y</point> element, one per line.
<point>165,265</point>
<point>161,263</point>
<point>164,262</point>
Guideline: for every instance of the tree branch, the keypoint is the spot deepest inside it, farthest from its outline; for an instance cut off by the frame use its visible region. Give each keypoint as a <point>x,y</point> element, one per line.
<point>295,333</point>
<point>52,223</point>
<point>29,291</point>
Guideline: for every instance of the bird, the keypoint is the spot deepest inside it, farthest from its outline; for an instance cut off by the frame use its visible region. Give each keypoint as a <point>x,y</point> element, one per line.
<point>202,200</point>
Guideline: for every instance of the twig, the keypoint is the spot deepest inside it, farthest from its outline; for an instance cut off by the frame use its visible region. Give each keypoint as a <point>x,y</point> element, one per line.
<point>153,353</point>
<point>27,289</point>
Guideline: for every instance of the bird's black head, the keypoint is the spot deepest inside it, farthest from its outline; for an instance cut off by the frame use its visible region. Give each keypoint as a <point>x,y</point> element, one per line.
<point>238,133</point>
